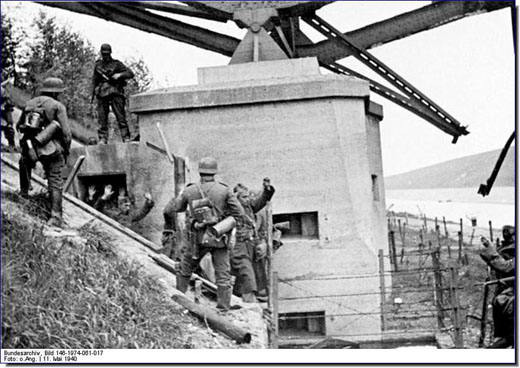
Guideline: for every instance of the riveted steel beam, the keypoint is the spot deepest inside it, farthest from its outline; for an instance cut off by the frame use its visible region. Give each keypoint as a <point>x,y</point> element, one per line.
<point>403,25</point>
<point>442,119</point>
<point>176,9</point>
<point>153,23</point>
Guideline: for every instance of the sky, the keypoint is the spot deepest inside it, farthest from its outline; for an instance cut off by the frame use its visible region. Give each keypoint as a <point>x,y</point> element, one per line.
<point>466,67</point>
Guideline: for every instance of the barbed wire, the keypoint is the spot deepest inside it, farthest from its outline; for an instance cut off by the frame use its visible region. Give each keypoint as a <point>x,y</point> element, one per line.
<point>429,290</point>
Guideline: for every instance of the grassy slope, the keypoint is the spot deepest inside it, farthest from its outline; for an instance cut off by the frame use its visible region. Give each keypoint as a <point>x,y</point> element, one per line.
<point>470,171</point>
<point>78,294</point>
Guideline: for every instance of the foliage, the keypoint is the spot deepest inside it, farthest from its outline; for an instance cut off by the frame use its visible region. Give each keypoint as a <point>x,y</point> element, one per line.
<point>60,294</point>
<point>10,41</point>
<point>142,77</point>
<point>57,51</point>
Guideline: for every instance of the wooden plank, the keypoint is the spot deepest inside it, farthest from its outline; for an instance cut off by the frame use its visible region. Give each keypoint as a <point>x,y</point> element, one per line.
<point>215,321</point>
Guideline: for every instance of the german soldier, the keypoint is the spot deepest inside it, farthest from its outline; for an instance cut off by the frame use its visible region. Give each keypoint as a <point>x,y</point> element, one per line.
<point>248,247</point>
<point>502,261</point>
<point>108,82</point>
<point>7,119</point>
<point>213,211</point>
<point>46,138</point>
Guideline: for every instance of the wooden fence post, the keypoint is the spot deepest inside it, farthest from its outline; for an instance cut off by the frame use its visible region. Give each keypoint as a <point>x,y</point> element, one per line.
<point>275,295</point>
<point>401,235</point>
<point>445,227</point>
<point>455,307</point>
<point>392,252</point>
<point>460,246</point>
<point>483,318</point>
<point>382,288</point>
<point>404,234</point>
<point>461,228</point>
<point>491,232</point>
<point>437,287</point>
<point>425,223</point>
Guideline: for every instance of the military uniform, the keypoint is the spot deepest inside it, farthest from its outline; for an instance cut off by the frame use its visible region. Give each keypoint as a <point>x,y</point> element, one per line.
<point>502,261</point>
<point>226,204</point>
<point>7,118</point>
<point>110,92</point>
<point>243,254</point>
<point>53,163</point>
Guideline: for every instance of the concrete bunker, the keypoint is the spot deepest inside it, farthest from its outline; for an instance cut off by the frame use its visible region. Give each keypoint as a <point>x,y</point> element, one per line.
<point>316,136</point>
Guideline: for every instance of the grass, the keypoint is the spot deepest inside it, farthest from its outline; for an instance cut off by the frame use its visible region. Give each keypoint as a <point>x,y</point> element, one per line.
<point>63,294</point>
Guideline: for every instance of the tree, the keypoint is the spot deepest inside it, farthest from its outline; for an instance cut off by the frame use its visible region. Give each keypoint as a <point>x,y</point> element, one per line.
<point>142,76</point>
<point>59,52</point>
<point>10,42</point>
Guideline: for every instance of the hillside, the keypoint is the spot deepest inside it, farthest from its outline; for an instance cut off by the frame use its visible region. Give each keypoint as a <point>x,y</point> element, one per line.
<point>470,171</point>
<point>96,287</point>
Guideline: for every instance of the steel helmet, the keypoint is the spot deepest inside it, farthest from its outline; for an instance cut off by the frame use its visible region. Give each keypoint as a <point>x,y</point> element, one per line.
<point>208,165</point>
<point>52,85</point>
<point>106,48</point>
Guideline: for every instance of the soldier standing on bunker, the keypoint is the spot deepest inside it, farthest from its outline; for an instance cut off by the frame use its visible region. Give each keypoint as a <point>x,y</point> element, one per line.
<point>502,261</point>
<point>46,138</point>
<point>213,211</point>
<point>108,82</point>
<point>7,119</point>
<point>248,247</point>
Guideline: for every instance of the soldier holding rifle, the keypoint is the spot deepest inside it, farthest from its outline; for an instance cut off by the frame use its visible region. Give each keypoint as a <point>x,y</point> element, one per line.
<point>108,82</point>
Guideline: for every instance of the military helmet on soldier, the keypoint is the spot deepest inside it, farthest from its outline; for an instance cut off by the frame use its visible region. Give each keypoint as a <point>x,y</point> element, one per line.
<point>508,232</point>
<point>208,165</point>
<point>52,85</point>
<point>106,48</point>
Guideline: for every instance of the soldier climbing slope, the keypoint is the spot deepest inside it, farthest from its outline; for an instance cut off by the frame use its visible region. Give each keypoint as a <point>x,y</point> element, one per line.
<point>108,82</point>
<point>46,138</point>
<point>213,211</point>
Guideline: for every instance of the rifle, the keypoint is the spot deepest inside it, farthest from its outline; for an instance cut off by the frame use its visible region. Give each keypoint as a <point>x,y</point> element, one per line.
<point>106,78</point>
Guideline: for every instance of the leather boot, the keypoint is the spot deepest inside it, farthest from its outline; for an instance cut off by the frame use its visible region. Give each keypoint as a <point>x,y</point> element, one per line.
<point>25,178</point>
<point>182,283</point>
<point>56,208</point>
<point>223,298</point>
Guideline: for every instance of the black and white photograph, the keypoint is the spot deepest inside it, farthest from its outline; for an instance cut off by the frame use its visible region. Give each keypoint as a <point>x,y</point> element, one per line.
<point>201,182</point>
